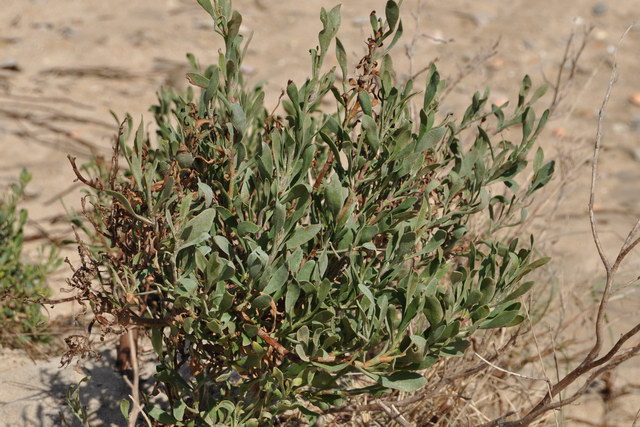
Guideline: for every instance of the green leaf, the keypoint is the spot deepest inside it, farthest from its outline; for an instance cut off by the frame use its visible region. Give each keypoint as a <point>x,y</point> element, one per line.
<point>277,280</point>
<point>162,416</point>
<point>238,117</point>
<point>247,227</point>
<point>303,235</point>
<point>206,5</point>
<point>523,289</point>
<point>499,321</point>
<point>392,12</point>
<point>197,226</point>
<point>125,404</point>
<point>433,310</point>
<point>334,196</point>
<point>291,298</point>
<point>341,56</point>
<point>404,381</point>
<point>156,340</point>
<point>261,302</point>
<point>198,80</point>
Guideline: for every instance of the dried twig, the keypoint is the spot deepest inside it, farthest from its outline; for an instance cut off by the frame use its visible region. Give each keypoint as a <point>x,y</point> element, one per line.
<point>591,366</point>
<point>506,371</point>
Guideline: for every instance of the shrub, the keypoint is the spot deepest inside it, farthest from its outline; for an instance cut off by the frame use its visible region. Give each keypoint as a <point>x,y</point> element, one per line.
<point>20,281</point>
<point>278,255</point>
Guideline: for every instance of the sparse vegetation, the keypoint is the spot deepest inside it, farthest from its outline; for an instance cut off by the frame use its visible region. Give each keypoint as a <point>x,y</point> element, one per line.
<point>22,281</point>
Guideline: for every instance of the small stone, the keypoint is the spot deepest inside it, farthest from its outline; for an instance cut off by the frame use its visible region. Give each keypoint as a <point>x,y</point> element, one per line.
<point>10,65</point>
<point>635,99</point>
<point>620,128</point>
<point>599,9</point>
<point>496,63</point>
<point>600,35</point>
<point>635,124</point>
<point>248,70</point>
<point>559,132</point>
<point>498,98</point>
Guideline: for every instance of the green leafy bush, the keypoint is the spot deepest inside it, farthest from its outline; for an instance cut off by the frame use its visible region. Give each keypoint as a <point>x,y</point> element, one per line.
<point>277,255</point>
<point>22,321</point>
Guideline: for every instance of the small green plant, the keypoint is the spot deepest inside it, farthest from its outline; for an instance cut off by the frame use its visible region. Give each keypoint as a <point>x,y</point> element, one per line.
<point>21,281</point>
<point>279,256</point>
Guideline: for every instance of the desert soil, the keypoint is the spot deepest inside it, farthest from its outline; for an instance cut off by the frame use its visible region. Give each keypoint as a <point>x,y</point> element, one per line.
<point>65,65</point>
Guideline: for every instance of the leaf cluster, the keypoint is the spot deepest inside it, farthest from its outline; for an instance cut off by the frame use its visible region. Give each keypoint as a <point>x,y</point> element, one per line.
<point>278,255</point>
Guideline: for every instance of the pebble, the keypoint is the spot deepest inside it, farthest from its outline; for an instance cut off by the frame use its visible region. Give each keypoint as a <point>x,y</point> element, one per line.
<point>496,63</point>
<point>10,65</point>
<point>635,99</point>
<point>620,128</point>
<point>635,124</point>
<point>559,132</point>
<point>600,35</point>
<point>599,9</point>
<point>248,70</point>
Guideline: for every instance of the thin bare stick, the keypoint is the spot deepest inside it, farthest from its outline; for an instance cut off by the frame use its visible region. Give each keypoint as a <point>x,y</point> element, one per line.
<point>592,216</point>
<point>494,366</point>
<point>136,411</point>
<point>613,358</point>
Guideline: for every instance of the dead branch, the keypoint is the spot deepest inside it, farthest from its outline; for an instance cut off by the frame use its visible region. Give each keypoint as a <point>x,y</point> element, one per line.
<point>591,366</point>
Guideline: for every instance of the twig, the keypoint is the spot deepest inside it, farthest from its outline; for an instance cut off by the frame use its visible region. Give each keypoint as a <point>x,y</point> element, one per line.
<point>494,366</point>
<point>135,386</point>
<point>395,415</point>
<point>591,367</point>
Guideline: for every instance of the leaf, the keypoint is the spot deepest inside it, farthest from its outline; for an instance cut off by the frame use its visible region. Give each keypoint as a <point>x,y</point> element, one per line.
<point>279,216</point>
<point>542,177</point>
<point>331,23</point>
<point>523,289</point>
<point>392,12</point>
<point>238,117</point>
<point>189,285</point>
<point>433,310</point>
<point>291,298</point>
<point>407,244</point>
<point>404,381</point>
<point>162,416</point>
<point>333,196</point>
<point>263,301</point>
<point>488,289</point>
<point>127,205</point>
<point>198,80</point>
<point>125,404</point>
<point>203,188</point>
<point>502,319</point>
<point>277,280</point>
<point>206,5</point>
<point>341,56</point>
<point>365,102</point>
<point>433,79</point>
<point>156,340</point>
<point>247,227</point>
<point>303,235</point>
<point>197,226</point>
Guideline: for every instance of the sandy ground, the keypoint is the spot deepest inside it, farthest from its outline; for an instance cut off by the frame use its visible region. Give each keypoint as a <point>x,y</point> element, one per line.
<point>65,64</point>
